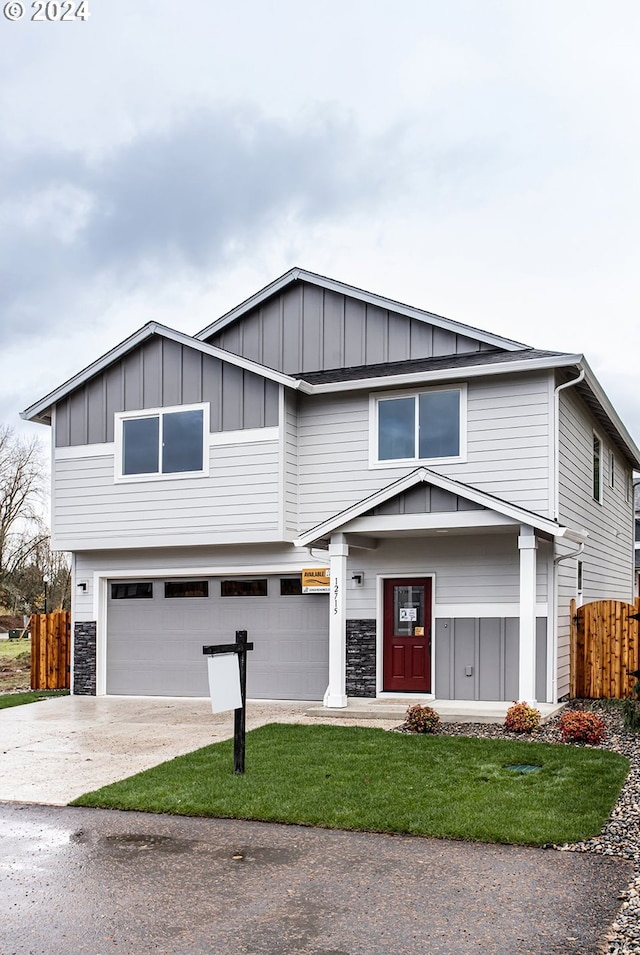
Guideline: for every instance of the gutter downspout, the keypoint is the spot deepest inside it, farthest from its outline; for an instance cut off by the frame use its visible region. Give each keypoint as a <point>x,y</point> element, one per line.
<point>556,517</point>
<point>556,561</point>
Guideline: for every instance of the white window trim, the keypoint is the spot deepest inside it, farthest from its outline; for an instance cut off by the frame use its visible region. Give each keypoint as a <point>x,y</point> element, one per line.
<point>599,498</point>
<point>375,399</point>
<point>122,416</point>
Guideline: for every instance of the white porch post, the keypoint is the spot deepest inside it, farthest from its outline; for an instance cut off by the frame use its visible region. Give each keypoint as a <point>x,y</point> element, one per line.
<point>527,545</point>
<point>336,695</point>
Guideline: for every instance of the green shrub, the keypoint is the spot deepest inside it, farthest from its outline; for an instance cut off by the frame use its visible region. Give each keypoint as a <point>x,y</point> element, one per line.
<point>631,715</point>
<point>576,726</point>
<point>422,719</point>
<point>522,718</point>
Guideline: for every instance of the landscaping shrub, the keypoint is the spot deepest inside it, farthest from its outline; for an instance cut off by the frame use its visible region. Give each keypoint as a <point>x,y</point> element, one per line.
<point>422,719</point>
<point>522,718</point>
<point>576,726</point>
<point>631,715</point>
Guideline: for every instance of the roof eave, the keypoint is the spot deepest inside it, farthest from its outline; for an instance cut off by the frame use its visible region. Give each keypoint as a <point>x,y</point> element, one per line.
<point>39,411</point>
<point>446,374</point>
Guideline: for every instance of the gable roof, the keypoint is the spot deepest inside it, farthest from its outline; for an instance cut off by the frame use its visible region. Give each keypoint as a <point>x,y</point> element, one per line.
<point>40,411</point>
<point>519,515</point>
<point>301,275</point>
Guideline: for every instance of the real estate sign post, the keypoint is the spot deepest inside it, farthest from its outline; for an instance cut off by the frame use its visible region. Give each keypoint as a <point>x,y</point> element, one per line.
<point>228,688</point>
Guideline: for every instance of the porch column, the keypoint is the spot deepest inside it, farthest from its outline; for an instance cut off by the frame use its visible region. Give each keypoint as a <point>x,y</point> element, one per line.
<point>336,695</point>
<point>527,545</point>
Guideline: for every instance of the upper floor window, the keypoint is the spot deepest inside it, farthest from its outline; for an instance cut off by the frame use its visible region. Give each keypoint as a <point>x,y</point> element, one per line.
<point>597,468</point>
<point>612,469</point>
<point>166,442</point>
<point>427,425</point>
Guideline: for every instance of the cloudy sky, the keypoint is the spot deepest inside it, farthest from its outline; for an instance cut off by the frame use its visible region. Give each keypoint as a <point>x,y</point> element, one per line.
<point>165,160</point>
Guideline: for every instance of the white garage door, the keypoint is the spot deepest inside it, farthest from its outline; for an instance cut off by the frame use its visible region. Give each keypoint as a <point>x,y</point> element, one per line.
<point>157,628</point>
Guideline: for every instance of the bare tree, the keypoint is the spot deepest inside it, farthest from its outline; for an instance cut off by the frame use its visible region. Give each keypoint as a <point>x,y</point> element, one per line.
<point>22,497</point>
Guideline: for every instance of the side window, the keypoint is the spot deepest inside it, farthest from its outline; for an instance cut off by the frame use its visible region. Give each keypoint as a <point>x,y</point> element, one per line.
<point>167,442</point>
<point>597,469</point>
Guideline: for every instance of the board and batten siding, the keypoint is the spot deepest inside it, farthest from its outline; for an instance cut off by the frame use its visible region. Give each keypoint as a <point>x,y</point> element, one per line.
<point>162,373</point>
<point>507,448</point>
<point>607,559</point>
<point>307,328</point>
<point>238,501</point>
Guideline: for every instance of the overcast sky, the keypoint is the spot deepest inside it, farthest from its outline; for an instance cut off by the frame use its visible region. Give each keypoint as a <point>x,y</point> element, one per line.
<point>477,158</point>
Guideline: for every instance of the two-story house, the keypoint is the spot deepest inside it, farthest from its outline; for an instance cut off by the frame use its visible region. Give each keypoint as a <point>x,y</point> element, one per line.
<point>459,487</point>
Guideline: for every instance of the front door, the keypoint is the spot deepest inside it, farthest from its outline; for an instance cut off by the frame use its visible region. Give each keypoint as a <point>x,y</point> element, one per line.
<point>407,635</point>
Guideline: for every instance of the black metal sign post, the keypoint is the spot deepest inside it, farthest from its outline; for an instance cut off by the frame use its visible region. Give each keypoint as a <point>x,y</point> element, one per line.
<point>239,719</point>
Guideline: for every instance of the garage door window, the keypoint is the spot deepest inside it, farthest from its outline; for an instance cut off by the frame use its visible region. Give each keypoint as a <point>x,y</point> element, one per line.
<point>291,586</point>
<point>186,588</point>
<point>244,588</point>
<point>132,590</point>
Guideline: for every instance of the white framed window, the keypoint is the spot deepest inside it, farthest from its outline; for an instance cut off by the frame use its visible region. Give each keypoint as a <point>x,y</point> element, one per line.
<point>418,426</point>
<point>597,468</point>
<point>162,443</point>
<point>612,469</point>
<point>580,582</point>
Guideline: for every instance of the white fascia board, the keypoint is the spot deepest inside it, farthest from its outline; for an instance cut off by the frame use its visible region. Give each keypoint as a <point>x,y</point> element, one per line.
<point>517,514</point>
<point>445,374</point>
<point>362,295</point>
<point>37,411</point>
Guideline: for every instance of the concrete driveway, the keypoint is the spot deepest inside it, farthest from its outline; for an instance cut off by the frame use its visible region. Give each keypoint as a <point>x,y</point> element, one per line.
<point>58,749</point>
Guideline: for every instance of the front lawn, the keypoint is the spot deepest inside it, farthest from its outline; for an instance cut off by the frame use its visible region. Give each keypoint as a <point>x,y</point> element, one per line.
<point>370,779</point>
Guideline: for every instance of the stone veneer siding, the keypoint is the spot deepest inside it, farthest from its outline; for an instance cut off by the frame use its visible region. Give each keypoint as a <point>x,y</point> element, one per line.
<point>84,658</point>
<point>361,658</point>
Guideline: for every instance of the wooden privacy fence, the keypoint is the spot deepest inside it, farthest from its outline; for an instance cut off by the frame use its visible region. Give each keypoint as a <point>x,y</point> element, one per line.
<point>51,650</point>
<point>604,649</point>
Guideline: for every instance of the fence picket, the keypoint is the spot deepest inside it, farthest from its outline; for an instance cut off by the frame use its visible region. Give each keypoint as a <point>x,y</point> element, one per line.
<point>50,650</point>
<point>604,649</point>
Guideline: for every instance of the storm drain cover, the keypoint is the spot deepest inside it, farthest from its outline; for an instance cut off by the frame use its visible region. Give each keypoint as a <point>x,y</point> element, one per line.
<point>523,768</point>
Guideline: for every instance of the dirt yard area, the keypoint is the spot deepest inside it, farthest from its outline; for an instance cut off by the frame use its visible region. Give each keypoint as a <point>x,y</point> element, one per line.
<point>15,665</point>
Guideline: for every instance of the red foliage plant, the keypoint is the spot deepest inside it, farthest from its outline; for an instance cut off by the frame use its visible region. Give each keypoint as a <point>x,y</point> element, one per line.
<point>422,719</point>
<point>522,718</point>
<point>576,726</point>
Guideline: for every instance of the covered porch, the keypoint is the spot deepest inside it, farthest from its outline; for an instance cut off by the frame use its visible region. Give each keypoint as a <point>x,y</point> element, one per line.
<point>485,628</point>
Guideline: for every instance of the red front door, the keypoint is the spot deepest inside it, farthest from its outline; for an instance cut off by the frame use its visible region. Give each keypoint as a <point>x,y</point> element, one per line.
<point>407,635</point>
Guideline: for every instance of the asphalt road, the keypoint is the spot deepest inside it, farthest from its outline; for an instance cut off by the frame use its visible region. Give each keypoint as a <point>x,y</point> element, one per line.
<point>97,882</point>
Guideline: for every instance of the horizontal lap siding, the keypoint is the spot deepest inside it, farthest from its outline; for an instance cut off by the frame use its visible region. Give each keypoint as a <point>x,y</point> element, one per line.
<point>201,561</point>
<point>473,569</point>
<point>608,553</point>
<point>507,448</point>
<point>607,558</point>
<point>239,500</point>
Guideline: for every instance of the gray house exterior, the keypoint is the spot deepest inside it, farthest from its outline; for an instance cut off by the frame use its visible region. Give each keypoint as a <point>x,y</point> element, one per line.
<point>458,487</point>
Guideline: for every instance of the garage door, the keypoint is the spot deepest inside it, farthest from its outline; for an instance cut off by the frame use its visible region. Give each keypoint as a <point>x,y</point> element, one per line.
<point>156,630</point>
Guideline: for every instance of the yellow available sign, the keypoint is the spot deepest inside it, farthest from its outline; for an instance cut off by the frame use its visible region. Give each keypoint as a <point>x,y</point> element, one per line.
<point>316,580</point>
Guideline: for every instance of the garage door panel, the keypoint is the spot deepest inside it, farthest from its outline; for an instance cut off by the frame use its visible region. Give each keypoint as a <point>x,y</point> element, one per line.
<point>154,646</point>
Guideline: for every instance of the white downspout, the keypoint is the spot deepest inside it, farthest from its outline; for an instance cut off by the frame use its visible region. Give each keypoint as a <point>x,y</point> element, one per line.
<point>553,610</point>
<point>556,442</point>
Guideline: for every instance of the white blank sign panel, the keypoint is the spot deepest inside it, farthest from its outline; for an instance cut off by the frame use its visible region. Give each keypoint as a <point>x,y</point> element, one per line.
<point>224,682</point>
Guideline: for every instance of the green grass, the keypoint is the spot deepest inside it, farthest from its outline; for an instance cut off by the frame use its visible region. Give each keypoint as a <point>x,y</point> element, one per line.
<point>369,779</point>
<point>29,696</point>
